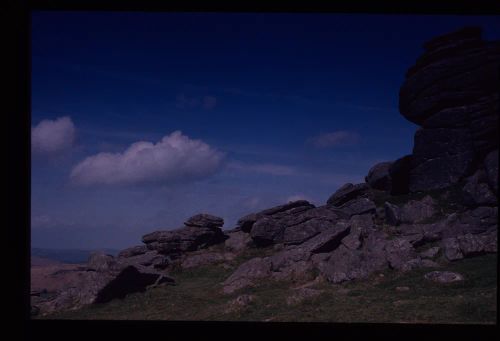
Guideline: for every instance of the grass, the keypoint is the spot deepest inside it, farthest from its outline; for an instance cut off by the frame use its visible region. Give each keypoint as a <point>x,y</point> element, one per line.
<point>197,296</point>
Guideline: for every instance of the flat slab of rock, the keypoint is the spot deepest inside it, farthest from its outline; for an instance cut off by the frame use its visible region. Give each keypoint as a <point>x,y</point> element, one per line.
<point>444,276</point>
<point>358,206</point>
<point>204,220</point>
<point>347,193</point>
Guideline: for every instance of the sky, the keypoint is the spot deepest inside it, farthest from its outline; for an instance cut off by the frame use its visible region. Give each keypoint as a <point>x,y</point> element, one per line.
<point>141,120</point>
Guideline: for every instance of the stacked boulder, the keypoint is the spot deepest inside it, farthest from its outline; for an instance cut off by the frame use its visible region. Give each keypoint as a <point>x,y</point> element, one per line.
<point>452,93</point>
<point>200,231</point>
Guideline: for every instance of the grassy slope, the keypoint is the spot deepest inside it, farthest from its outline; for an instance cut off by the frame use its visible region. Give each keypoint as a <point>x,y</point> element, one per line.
<point>197,296</point>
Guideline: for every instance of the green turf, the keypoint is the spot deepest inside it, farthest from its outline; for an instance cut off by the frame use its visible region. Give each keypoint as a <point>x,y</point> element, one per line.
<point>197,296</point>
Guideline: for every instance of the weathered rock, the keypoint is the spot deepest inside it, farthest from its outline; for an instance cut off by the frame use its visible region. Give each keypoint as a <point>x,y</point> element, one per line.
<point>247,274</point>
<point>398,252</point>
<point>400,175</point>
<point>346,193</point>
<point>452,91</point>
<point>416,211</point>
<point>99,261</point>
<point>451,249</point>
<point>491,166</point>
<point>392,214</point>
<point>133,251</point>
<point>295,225</point>
<point>267,231</point>
<point>238,241</point>
<point>204,220</point>
<point>328,240</point>
<point>444,276</point>
<point>345,264</point>
<point>430,253</point>
<point>469,245</point>
<point>246,223</point>
<point>477,192</point>
<point>378,176</point>
<point>358,206</point>
<point>454,65</point>
<point>478,220</point>
<point>188,238</point>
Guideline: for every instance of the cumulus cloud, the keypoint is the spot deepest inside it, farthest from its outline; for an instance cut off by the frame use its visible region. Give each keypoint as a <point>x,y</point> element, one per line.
<point>175,158</point>
<point>334,139</point>
<point>51,136</point>
<point>265,168</point>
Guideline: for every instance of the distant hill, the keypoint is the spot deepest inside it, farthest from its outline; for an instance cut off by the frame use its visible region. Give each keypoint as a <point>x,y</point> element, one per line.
<point>72,256</point>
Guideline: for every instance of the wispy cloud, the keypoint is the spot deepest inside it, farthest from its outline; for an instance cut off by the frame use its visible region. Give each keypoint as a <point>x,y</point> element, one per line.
<point>334,139</point>
<point>51,136</point>
<point>184,101</point>
<point>175,158</point>
<point>264,168</point>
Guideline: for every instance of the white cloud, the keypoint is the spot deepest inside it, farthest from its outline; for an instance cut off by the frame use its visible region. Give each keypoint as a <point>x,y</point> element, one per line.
<point>175,158</point>
<point>51,136</point>
<point>333,139</point>
<point>265,168</point>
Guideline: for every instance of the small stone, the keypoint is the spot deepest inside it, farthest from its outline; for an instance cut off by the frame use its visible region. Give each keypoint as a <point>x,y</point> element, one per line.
<point>402,289</point>
<point>444,276</point>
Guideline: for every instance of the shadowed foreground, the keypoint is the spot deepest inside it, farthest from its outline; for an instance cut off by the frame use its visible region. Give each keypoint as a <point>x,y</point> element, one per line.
<point>393,297</point>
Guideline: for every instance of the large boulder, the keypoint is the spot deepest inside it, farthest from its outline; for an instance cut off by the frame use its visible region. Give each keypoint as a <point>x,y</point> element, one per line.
<point>399,172</point>
<point>469,245</point>
<point>347,193</point>
<point>293,224</point>
<point>201,231</point>
<point>246,223</point>
<point>358,206</point>
<point>247,274</point>
<point>378,176</point>
<point>452,92</point>
<point>204,220</point>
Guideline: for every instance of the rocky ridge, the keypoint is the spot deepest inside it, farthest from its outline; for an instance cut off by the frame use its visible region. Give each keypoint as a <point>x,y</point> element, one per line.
<point>439,204</point>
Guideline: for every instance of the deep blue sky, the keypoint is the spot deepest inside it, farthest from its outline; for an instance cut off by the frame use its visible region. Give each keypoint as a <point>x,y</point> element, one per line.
<point>272,84</point>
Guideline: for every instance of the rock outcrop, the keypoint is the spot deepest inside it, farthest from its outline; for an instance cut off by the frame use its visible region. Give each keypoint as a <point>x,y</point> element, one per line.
<point>200,231</point>
<point>452,93</point>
